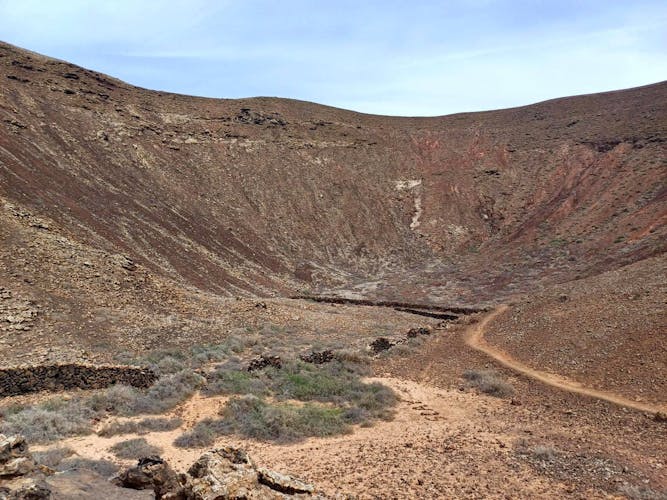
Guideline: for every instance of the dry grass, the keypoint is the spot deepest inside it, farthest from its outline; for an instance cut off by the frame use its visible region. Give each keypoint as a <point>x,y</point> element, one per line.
<point>134,449</point>
<point>140,427</point>
<point>488,382</point>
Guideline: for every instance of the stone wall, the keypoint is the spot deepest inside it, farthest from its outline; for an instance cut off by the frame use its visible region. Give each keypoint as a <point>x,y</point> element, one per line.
<point>27,379</point>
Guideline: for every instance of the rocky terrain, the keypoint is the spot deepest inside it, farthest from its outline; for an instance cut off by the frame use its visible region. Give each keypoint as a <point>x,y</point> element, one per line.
<point>141,228</point>
<point>222,473</point>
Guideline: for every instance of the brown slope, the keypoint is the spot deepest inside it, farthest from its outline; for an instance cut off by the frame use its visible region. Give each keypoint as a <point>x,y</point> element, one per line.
<point>606,332</point>
<point>269,196</point>
<point>258,194</point>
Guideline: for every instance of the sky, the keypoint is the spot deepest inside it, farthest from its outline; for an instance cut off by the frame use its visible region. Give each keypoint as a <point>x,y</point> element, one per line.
<point>410,57</point>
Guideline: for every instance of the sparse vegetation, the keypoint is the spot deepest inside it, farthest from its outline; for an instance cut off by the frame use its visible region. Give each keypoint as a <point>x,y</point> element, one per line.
<point>253,417</point>
<point>104,468</point>
<point>52,457</point>
<point>641,493</point>
<point>333,393</point>
<point>48,421</point>
<point>488,382</point>
<point>141,426</point>
<point>134,449</point>
<point>337,385</point>
<point>544,453</point>
<point>234,381</point>
<point>202,434</point>
<point>58,418</point>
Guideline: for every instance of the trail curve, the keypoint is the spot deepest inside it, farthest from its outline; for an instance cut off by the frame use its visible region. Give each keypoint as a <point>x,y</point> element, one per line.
<point>474,337</point>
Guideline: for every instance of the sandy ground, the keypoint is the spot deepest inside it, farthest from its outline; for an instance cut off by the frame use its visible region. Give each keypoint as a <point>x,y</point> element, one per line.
<point>408,457</point>
<point>446,441</point>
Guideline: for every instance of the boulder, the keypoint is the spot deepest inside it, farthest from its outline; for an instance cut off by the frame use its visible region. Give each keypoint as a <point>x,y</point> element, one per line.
<point>20,476</point>
<point>83,484</point>
<point>317,358</point>
<point>381,344</point>
<point>28,488</point>
<point>264,361</point>
<point>19,466</point>
<point>152,473</point>
<point>224,473</point>
<point>12,447</point>
<point>414,332</point>
<point>283,483</point>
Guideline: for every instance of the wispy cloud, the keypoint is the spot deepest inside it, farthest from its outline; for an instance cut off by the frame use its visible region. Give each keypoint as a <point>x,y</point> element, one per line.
<point>389,57</point>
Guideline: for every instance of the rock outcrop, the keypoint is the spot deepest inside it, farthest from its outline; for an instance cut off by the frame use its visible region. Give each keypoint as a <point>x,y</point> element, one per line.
<point>225,473</point>
<point>20,476</point>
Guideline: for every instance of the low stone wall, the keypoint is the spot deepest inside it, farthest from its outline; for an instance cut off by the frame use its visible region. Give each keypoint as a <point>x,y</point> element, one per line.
<point>27,379</point>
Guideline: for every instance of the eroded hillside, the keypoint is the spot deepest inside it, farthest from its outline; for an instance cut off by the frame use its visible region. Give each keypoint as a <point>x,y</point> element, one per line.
<point>169,232</point>
<point>272,195</point>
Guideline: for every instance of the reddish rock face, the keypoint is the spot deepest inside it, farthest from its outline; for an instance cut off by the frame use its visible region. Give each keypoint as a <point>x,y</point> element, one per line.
<point>120,198</point>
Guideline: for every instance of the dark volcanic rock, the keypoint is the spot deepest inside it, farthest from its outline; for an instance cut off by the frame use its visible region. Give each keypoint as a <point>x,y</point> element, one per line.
<point>381,344</point>
<point>317,358</point>
<point>264,361</point>
<point>152,473</point>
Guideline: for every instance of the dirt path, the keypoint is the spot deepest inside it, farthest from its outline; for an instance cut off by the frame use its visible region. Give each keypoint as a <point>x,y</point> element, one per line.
<point>474,337</point>
<point>428,450</point>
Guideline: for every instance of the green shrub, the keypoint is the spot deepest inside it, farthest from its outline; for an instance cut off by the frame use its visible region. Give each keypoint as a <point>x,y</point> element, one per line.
<point>333,382</point>
<point>252,417</point>
<point>234,381</point>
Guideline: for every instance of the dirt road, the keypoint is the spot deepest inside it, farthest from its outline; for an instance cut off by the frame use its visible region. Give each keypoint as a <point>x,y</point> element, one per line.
<point>474,337</point>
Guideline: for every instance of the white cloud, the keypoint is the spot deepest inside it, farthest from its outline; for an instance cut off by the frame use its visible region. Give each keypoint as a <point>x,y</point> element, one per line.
<point>390,57</point>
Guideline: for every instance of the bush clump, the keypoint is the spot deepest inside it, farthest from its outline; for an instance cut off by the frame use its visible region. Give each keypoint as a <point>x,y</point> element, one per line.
<point>226,381</point>
<point>488,382</point>
<point>58,418</point>
<point>141,426</point>
<point>54,419</point>
<point>252,417</point>
<point>331,397</point>
<point>134,449</point>
<point>202,434</point>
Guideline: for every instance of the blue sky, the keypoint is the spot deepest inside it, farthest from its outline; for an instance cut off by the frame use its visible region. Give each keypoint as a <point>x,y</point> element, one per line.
<point>387,57</point>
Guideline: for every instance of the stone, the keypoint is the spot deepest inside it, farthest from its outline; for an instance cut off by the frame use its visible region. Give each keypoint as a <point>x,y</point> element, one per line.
<point>152,473</point>
<point>12,447</point>
<point>265,361</point>
<point>83,484</point>
<point>283,483</point>
<point>381,344</point>
<point>414,332</point>
<point>29,488</point>
<point>317,358</point>
<point>224,473</point>
<point>19,466</point>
